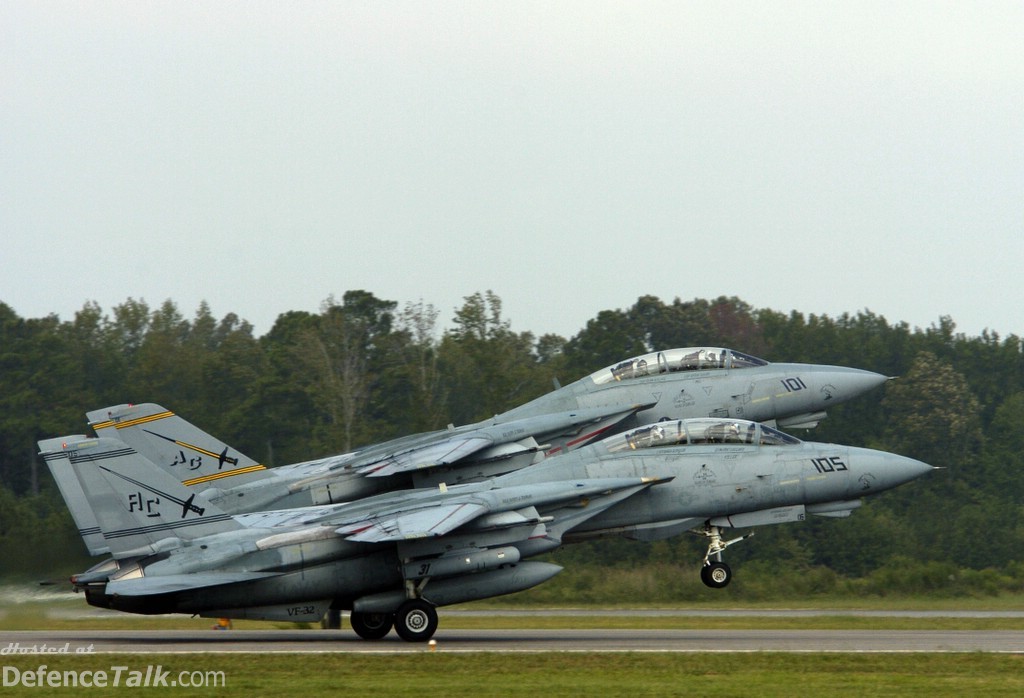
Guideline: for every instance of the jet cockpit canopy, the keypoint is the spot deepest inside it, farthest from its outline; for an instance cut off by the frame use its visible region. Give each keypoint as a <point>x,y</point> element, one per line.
<point>695,432</point>
<point>670,360</point>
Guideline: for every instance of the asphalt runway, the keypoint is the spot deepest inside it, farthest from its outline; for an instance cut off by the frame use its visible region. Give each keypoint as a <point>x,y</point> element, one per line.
<point>547,641</point>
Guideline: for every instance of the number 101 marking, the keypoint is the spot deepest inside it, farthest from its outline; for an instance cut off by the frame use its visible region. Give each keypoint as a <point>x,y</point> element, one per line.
<point>793,384</point>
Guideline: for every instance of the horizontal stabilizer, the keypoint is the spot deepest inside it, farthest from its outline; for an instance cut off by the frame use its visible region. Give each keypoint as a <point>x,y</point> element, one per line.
<point>167,584</point>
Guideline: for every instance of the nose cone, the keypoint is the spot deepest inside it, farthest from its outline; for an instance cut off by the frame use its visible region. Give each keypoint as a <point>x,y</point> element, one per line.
<point>836,384</point>
<point>877,470</point>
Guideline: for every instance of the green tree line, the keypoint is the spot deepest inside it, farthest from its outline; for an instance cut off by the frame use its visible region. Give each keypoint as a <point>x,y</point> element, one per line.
<point>363,369</point>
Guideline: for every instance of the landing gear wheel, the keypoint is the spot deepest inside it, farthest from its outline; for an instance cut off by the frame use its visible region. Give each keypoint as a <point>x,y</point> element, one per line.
<point>416,621</point>
<point>371,626</point>
<point>716,574</point>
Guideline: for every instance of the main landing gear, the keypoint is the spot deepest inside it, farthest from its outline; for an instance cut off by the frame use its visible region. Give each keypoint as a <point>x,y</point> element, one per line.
<point>331,620</point>
<point>414,621</point>
<point>371,626</point>
<point>715,573</point>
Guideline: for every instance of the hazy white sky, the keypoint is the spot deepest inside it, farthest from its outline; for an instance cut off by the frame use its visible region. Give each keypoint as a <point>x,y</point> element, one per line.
<point>571,156</point>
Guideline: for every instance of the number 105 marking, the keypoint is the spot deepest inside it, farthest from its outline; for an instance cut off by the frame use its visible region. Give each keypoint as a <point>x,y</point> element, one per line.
<point>832,464</point>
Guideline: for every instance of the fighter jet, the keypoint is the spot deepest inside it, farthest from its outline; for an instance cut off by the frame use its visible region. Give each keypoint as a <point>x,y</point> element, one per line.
<point>713,382</point>
<point>672,384</point>
<point>392,559</point>
<point>238,484</point>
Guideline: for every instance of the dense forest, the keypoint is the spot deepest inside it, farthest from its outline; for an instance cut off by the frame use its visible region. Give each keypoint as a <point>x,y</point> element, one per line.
<point>364,369</point>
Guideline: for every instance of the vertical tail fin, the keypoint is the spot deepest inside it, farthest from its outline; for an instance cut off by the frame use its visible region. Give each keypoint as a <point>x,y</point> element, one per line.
<point>197,459</point>
<point>55,454</point>
<point>139,508</point>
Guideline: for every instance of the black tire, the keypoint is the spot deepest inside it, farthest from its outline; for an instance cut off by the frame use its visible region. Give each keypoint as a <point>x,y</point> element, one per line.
<point>416,621</point>
<point>331,620</point>
<point>371,626</point>
<point>716,575</point>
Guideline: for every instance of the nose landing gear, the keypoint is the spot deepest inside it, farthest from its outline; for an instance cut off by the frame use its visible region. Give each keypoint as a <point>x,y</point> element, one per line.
<point>714,572</point>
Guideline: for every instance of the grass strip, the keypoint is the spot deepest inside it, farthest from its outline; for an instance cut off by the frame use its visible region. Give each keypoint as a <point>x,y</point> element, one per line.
<point>554,674</point>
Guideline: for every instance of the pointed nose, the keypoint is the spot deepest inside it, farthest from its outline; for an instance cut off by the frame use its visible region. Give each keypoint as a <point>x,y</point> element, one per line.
<point>878,470</point>
<point>838,383</point>
<point>907,469</point>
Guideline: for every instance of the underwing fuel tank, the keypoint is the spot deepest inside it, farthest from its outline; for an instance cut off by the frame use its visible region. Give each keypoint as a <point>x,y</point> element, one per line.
<point>461,563</point>
<point>470,587</point>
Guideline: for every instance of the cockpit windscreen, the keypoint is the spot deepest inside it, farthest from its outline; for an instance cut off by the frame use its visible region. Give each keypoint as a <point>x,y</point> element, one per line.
<point>671,360</point>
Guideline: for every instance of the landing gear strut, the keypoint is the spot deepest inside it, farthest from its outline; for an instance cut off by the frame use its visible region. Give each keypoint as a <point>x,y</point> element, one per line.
<point>331,620</point>
<point>715,573</point>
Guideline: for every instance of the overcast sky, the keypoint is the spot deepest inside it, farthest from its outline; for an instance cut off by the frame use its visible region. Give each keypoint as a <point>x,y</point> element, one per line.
<point>825,157</point>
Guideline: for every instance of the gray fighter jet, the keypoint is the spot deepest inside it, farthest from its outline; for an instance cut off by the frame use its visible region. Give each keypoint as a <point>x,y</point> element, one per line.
<point>391,559</point>
<point>712,382</point>
<point>237,484</point>
<point>678,383</point>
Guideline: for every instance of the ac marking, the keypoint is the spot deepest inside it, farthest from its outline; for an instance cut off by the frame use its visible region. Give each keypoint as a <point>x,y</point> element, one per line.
<point>186,504</point>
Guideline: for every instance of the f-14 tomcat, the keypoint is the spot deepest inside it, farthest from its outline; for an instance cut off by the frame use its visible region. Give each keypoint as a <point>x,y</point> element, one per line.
<point>391,559</point>
<point>672,384</point>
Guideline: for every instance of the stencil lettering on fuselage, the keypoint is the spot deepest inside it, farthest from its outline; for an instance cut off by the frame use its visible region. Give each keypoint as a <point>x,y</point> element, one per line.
<point>683,399</point>
<point>705,477</point>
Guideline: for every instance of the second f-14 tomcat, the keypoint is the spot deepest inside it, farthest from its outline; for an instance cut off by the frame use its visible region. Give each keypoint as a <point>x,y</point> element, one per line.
<point>671,384</point>
<point>712,382</point>
<point>391,559</point>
